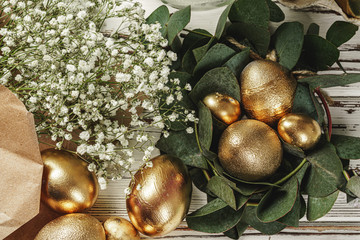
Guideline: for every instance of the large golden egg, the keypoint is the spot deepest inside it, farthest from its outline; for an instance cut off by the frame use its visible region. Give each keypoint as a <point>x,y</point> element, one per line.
<point>299,130</point>
<point>267,91</point>
<point>75,226</point>
<point>250,150</point>
<point>160,196</point>
<point>223,107</point>
<point>67,185</point>
<point>117,228</point>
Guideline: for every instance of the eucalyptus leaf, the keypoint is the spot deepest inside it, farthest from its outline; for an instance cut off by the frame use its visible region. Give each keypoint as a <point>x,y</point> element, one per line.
<point>292,149</point>
<point>340,32</point>
<point>288,39</point>
<point>278,201</point>
<point>222,22</point>
<point>292,217</point>
<point>220,80</point>
<point>319,53</point>
<point>189,62</point>
<point>276,14</point>
<point>325,174</point>
<point>237,231</point>
<point>331,80</point>
<point>313,29</point>
<point>238,62</point>
<point>198,178</point>
<point>257,35</point>
<point>193,37</point>
<point>177,22</point>
<point>249,217</point>
<point>215,57</point>
<point>354,185</point>
<point>207,219</point>
<point>319,207</point>
<point>205,126</point>
<point>303,207</point>
<point>160,15</point>
<point>306,103</point>
<point>200,52</point>
<point>241,200</point>
<point>184,146</point>
<point>256,12</point>
<point>222,190</point>
<point>347,147</point>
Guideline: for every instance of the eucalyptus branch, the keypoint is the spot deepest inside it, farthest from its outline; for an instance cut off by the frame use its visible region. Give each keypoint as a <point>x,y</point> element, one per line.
<point>253,54</point>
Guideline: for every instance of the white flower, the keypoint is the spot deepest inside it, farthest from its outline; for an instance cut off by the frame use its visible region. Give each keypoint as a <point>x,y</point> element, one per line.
<point>85,135</point>
<point>71,68</point>
<point>190,130</point>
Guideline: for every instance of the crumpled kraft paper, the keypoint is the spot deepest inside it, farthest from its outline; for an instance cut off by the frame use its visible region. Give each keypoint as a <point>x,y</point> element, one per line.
<point>20,164</point>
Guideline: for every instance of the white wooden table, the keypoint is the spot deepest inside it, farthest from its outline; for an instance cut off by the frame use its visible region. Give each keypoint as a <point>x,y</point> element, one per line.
<point>343,222</point>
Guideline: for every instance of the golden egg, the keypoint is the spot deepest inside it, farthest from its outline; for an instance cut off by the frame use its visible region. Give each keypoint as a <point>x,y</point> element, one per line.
<point>117,228</point>
<point>250,150</point>
<point>67,185</point>
<point>75,226</point>
<point>267,91</point>
<point>299,130</point>
<point>223,107</point>
<point>160,196</point>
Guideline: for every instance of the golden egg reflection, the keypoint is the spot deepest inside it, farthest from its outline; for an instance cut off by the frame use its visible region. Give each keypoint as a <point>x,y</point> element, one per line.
<point>67,185</point>
<point>223,107</point>
<point>117,228</point>
<point>75,226</point>
<point>250,150</point>
<point>267,91</point>
<point>299,130</point>
<point>160,196</point>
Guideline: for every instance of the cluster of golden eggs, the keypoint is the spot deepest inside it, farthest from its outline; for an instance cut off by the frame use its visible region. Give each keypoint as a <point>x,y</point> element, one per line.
<point>251,149</point>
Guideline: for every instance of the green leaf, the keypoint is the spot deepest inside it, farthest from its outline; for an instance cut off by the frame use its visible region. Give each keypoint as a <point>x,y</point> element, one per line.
<point>221,189</point>
<point>192,38</point>
<point>288,39</point>
<point>313,29</point>
<point>206,219</point>
<point>278,201</point>
<point>220,80</point>
<point>340,32</point>
<point>305,102</point>
<point>237,231</point>
<point>256,12</point>
<point>292,218</point>
<point>325,174</point>
<point>354,185</point>
<point>215,57</point>
<point>331,80</point>
<point>256,35</point>
<point>319,207</point>
<point>177,22</point>
<point>292,149</point>
<point>303,207</point>
<point>347,147</point>
<point>238,62</point>
<point>189,62</point>
<point>249,217</point>
<point>199,179</point>
<point>161,15</point>
<point>205,126</point>
<point>222,22</point>
<point>200,52</point>
<point>319,53</point>
<point>276,14</point>
<point>184,146</point>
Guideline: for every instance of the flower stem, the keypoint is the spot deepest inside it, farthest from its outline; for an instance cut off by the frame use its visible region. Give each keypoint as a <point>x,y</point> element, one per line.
<point>253,54</point>
<point>327,110</point>
<point>292,173</point>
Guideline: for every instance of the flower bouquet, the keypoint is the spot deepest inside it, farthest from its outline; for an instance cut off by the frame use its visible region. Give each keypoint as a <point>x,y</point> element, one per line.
<point>231,68</point>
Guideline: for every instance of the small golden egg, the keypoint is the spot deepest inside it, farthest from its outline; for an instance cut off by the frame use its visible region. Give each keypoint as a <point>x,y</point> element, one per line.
<point>75,226</point>
<point>299,130</point>
<point>250,150</point>
<point>223,107</point>
<point>117,228</point>
<point>67,185</point>
<point>160,196</point>
<point>267,91</point>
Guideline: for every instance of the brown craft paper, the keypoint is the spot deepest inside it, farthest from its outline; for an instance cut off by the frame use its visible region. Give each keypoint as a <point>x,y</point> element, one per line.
<point>20,164</point>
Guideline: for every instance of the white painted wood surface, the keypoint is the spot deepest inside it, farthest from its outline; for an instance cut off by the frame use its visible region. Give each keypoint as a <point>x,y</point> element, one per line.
<point>343,222</point>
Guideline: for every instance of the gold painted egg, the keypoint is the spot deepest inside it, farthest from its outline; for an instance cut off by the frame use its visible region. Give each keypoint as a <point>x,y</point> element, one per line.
<point>267,91</point>
<point>250,150</point>
<point>299,130</point>
<point>117,228</point>
<point>223,107</point>
<point>160,196</point>
<point>67,185</point>
<point>75,226</point>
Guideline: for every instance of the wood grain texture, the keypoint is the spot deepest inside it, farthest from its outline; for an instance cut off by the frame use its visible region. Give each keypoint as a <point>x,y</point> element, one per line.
<point>343,221</point>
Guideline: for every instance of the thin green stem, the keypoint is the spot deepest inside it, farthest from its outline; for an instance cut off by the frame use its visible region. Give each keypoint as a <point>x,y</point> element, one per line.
<point>291,173</point>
